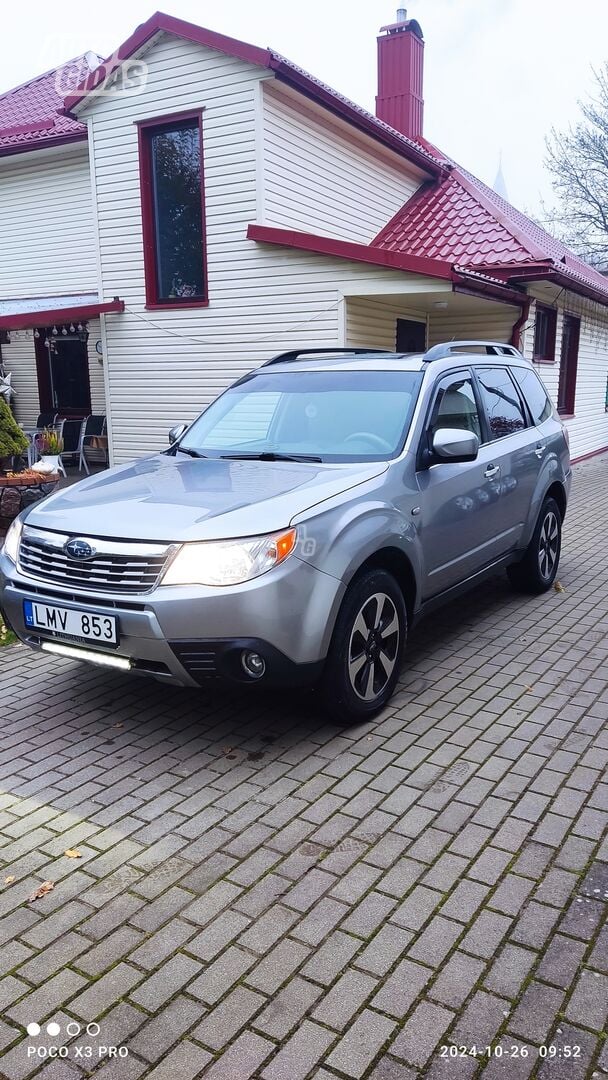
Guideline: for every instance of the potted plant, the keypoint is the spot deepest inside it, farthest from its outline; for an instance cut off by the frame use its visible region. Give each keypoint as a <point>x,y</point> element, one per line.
<point>13,441</point>
<point>50,445</point>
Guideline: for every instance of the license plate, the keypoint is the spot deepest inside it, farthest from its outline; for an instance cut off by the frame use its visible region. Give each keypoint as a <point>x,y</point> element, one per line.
<point>69,622</point>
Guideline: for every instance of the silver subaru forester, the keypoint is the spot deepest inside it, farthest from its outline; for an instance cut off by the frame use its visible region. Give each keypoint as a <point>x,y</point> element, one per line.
<point>299,527</point>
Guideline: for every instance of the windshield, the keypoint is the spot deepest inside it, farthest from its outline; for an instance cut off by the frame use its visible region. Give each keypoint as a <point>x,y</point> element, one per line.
<point>313,415</point>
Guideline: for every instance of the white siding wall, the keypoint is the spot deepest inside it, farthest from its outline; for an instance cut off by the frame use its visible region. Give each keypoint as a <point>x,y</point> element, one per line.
<point>373,323</point>
<point>494,323</point>
<point>588,428</point>
<point>46,227</point>
<point>20,359</point>
<point>163,366</point>
<point>321,177</point>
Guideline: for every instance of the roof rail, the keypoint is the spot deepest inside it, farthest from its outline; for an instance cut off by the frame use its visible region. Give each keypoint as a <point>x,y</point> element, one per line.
<point>295,354</point>
<point>492,348</point>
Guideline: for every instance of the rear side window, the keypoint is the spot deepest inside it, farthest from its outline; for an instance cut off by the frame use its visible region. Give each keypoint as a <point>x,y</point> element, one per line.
<point>503,407</point>
<point>534,393</point>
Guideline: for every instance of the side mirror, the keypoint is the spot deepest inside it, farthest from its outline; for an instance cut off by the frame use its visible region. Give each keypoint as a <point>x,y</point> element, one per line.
<point>176,433</point>
<point>454,444</point>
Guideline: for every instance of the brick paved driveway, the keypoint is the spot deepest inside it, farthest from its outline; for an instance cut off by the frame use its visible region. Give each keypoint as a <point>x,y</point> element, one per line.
<point>260,894</point>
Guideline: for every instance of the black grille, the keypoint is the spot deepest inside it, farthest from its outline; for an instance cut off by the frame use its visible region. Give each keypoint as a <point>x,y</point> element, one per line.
<point>199,662</point>
<point>105,572</point>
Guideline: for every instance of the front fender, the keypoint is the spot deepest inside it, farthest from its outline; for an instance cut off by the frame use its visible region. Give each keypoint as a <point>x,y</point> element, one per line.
<point>340,540</point>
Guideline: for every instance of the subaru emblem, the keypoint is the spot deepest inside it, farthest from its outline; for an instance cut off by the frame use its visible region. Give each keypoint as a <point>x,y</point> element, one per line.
<point>79,549</point>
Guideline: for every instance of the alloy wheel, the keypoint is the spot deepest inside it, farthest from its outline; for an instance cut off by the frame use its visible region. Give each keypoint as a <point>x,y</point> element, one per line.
<point>373,647</point>
<point>548,543</point>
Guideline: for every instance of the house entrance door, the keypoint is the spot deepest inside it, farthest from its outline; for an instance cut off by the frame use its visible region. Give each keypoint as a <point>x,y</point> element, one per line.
<point>63,372</point>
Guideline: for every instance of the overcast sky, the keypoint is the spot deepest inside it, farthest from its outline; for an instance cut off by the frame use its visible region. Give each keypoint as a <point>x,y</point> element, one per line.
<point>498,73</point>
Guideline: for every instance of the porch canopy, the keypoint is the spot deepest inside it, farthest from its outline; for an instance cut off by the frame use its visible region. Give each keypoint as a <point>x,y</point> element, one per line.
<point>46,310</point>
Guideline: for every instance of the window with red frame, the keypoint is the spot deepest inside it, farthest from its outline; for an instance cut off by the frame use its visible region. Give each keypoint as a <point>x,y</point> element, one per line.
<point>545,326</point>
<point>566,391</point>
<point>171,167</point>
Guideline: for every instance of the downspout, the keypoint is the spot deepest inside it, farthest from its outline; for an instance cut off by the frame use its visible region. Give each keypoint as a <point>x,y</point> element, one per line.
<point>520,323</point>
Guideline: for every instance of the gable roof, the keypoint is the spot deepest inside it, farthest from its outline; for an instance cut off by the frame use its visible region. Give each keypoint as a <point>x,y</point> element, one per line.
<point>283,69</point>
<point>460,219</point>
<point>29,114</point>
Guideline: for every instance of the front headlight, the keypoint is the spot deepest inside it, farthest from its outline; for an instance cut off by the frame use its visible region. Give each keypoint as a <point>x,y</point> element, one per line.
<point>11,540</point>
<point>229,562</point>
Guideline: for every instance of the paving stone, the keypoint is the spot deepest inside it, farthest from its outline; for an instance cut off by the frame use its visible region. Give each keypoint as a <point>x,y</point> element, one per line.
<point>228,1018</point>
<point>368,914</point>
<point>46,999</point>
<point>344,999</point>
<point>509,970</point>
<point>582,918</point>
<point>433,945</point>
<point>489,866</point>
<point>403,986</point>
<point>157,947</point>
<point>303,1050</point>
<point>287,1008</point>
<point>173,976</point>
<point>277,965</point>
<point>486,934</point>
<point>421,1033</point>
<point>384,949</point>
<point>456,980</point>
<point>536,1012</point>
<point>418,907</point>
<point>589,1002</point>
<point>333,956</point>
<point>535,925</point>
<point>570,1068</point>
<point>480,1021</point>
<point>465,900</point>
<point>221,975</point>
<point>561,960</point>
<point>186,1060</point>
<point>359,1046</point>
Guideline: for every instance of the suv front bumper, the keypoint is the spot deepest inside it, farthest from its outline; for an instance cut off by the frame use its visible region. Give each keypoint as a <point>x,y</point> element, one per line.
<point>190,634</point>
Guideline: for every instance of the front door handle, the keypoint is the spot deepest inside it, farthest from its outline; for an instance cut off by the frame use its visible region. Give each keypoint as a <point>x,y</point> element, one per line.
<point>491,472</point>
<point>540,449</point>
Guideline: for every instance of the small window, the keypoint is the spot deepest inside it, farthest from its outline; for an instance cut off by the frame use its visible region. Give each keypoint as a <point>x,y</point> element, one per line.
<point>545,325</point>
<point>171,166</point>
<point>566,391</point>
<point>534,393</point>
<point>501,400</point>
<point>456,407</point>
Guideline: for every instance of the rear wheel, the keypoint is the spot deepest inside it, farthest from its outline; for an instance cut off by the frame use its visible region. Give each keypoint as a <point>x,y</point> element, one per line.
<point>537,570</point>
<point>364,658</point>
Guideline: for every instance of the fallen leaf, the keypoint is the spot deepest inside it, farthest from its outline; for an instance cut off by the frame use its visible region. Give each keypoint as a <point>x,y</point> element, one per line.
<point>558,586</point>
<point>72,854</point>
<point>9,880</point>
<point>42,890</point>
<point>529,689</point>
<point>119,725</point>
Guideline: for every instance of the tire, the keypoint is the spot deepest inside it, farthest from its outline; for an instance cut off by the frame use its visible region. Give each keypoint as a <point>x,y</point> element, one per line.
<point>537,570</point>
<point>365,654</point>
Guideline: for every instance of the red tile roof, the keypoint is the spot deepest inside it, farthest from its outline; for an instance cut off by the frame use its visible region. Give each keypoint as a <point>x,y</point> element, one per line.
<point>29,116</point>
<point>459,219</point>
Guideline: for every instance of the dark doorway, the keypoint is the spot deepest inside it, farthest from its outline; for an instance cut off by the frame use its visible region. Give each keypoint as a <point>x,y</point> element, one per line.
<point>63,371</point>
<point>411,336</point>
<point>566,392</point>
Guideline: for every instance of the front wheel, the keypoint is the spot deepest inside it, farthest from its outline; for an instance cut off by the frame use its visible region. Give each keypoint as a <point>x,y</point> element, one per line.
<point>536,571</point>
<point>365,654</point>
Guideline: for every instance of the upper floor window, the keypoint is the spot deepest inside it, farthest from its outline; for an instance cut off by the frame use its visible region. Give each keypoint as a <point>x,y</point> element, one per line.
<point>545,326</point>
<point>171,169</point>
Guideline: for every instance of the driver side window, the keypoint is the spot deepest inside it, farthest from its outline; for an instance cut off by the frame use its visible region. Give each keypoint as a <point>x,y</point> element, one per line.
<point>455,406</point>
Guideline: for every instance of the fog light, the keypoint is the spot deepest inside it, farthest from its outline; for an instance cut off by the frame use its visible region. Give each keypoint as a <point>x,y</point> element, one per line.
<point>253,664</point>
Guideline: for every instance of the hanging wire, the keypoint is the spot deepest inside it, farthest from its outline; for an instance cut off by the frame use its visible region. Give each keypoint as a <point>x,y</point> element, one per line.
<point>252,341</point>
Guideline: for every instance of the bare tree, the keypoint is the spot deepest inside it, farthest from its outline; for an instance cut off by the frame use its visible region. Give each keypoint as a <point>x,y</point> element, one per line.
<point>578,162</point>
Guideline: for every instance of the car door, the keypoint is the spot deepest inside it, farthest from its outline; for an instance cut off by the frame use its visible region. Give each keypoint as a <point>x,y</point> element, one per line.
<point>457,517</point>
<point>514,441</point>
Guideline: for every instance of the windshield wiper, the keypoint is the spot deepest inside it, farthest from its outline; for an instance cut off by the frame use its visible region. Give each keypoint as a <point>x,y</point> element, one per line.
<point>270,455</point>
<point>191,453</point>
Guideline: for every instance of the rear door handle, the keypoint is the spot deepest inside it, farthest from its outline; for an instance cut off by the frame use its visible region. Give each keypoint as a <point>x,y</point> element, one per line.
<point>540,449</point>
<point>491,472</point>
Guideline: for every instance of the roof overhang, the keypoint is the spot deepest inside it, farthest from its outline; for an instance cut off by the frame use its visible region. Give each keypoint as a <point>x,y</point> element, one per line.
<point>547,270</point>
<point>42,311</point>
<point>462,278</point>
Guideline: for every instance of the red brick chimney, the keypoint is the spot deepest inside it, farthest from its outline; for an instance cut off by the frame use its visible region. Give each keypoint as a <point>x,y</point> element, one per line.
<point>400,65</point>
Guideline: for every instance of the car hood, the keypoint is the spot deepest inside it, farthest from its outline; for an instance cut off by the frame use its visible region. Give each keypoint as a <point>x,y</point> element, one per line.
<point>169,498</point>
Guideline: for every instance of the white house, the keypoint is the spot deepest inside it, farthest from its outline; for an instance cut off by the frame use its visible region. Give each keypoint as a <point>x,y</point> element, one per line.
<point>171,217</point>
